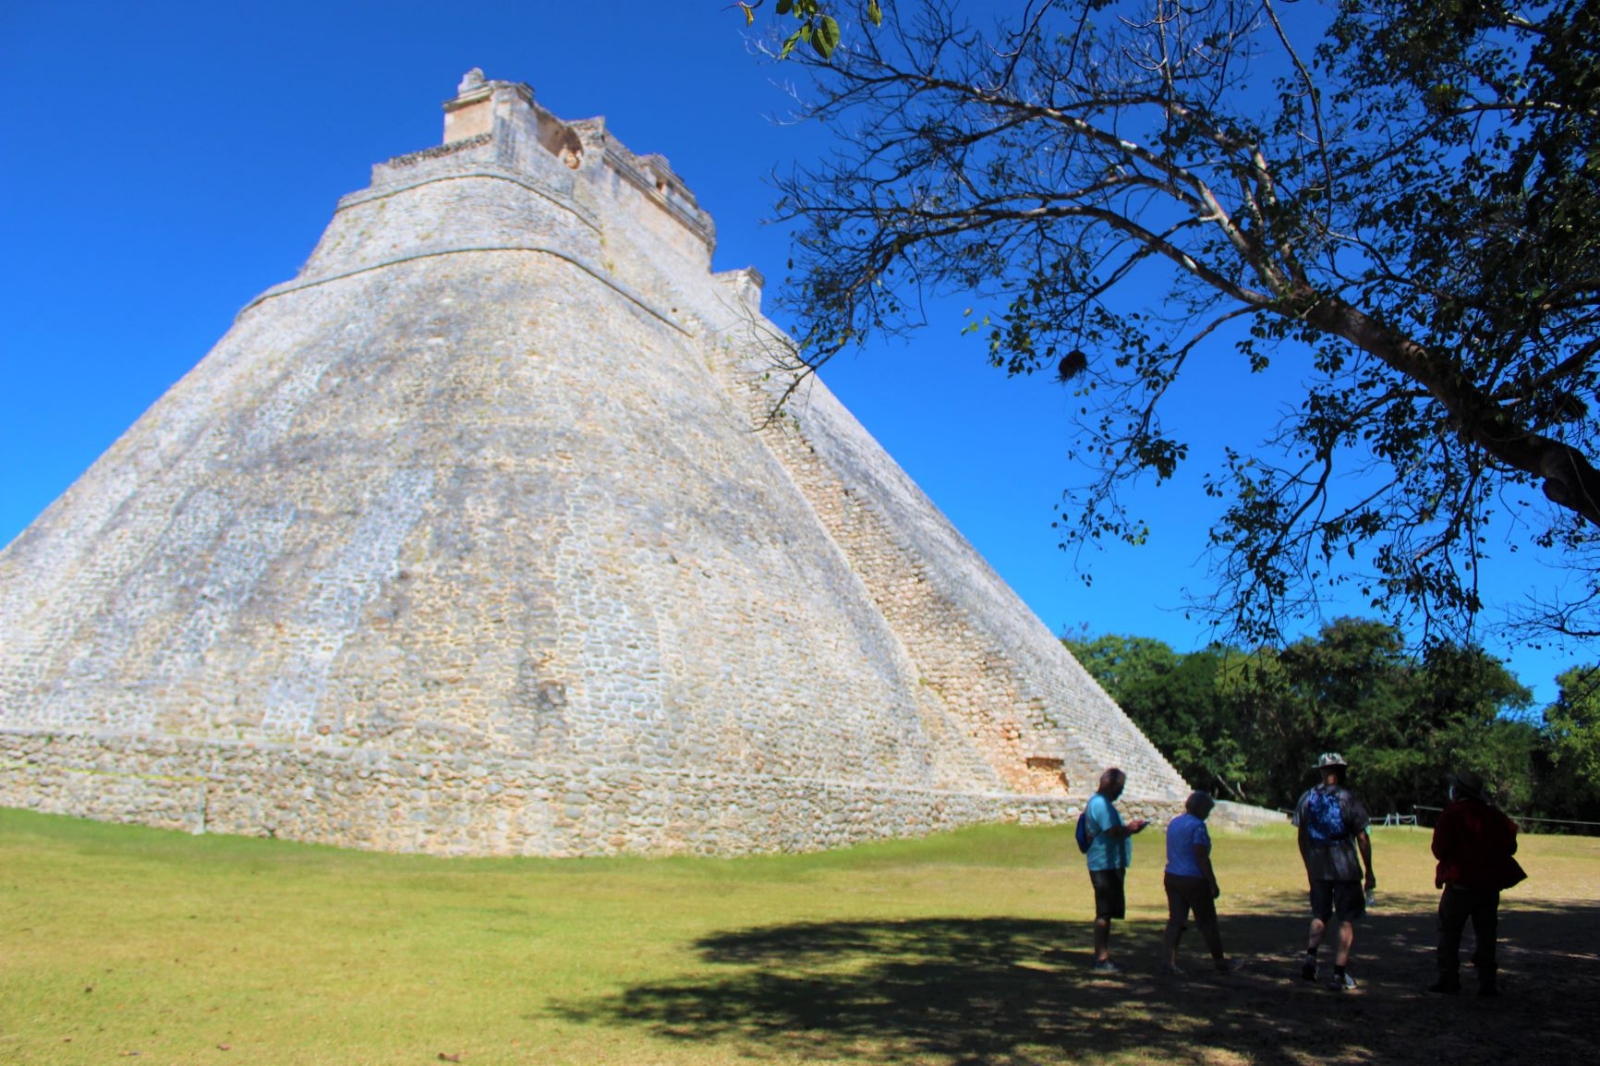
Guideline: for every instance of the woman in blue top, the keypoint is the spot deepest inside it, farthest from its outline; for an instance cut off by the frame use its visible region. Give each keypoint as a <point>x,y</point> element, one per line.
<point>1191,883</point>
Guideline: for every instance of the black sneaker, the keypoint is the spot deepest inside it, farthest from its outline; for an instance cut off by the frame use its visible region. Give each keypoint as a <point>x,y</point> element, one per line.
<point>1342,982</point>
<point>1309,970</point>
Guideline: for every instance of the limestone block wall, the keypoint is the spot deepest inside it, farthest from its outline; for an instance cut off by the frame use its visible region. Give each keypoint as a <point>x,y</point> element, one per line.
<point>456,804</point>
<point>451,208</point>
<point>1024,700</point>
<point>1060,699</point>
<point>455,540</point>
<point>978,651</point>
<point>464,540</point>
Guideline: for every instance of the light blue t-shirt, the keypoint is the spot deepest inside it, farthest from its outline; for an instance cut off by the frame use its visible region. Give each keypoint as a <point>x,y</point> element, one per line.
<point>1105,851</point>
<point>1183,833</point>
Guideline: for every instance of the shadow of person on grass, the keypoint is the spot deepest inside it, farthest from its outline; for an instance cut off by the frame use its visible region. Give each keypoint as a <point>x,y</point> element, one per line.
<point>1019,991</point>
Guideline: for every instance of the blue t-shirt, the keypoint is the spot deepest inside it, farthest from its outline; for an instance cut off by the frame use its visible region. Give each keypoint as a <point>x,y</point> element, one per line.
<point>1105,851</point>
<point>1183,833</point>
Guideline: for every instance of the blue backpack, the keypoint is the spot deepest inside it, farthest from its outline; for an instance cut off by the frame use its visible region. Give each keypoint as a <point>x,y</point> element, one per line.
<point>1084,835</point>
<point>1324,816</point>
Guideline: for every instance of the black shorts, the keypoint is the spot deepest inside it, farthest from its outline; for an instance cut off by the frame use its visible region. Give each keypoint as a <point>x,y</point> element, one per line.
<point>1185,894</point>
<point>1342,901</point>
<point>1109,901</point>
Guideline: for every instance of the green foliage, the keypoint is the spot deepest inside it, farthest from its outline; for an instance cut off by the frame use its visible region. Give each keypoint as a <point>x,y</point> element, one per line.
<point>1477,715</point>
<point>1248,726</point>
<point>1175,700</point>
<point>817,25</point>
<point>1397,197</point>
<point>1572,735</point>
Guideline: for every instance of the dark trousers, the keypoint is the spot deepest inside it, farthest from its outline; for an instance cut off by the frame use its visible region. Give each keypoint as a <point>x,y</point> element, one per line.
<point>1456,906</point>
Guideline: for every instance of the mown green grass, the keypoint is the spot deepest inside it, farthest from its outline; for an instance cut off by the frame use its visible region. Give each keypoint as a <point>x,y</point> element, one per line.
<point>961,948</point>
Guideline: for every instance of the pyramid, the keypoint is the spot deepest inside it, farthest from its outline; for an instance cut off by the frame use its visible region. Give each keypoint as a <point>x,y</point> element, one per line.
<point>481,536</point>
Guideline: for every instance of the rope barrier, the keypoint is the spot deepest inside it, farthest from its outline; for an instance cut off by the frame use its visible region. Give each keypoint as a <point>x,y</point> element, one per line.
<point>1521,817</point>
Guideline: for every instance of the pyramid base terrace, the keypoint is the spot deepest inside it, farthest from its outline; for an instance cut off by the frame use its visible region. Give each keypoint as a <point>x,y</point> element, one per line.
<point>458,805</point>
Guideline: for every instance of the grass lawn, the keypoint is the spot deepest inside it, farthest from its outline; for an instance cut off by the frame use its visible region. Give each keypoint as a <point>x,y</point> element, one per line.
<point>966,948</point>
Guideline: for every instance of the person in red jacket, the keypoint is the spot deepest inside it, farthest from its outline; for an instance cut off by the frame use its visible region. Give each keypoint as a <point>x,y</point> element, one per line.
<point>1474,844</point>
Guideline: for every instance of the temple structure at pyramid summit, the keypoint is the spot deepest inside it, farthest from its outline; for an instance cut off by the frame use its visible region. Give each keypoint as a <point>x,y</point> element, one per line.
<point>475,538</point>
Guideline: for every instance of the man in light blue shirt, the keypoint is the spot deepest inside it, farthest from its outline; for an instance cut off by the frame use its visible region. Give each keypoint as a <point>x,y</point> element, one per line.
<point>1110,852</point>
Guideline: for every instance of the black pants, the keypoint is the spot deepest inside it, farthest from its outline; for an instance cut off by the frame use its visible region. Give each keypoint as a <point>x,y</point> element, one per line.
<point>1456,906</point>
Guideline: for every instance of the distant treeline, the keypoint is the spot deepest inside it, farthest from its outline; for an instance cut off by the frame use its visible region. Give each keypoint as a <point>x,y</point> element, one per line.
<point>1246,725</point>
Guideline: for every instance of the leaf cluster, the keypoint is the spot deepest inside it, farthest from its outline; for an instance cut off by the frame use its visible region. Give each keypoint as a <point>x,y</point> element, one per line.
<point>817,26</point>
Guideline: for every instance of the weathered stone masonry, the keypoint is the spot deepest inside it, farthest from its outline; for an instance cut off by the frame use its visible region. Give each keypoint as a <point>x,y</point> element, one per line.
<point>462,541</point>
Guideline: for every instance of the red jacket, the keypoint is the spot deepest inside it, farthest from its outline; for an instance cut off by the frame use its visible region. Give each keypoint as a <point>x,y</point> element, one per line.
<point>1474,844</point>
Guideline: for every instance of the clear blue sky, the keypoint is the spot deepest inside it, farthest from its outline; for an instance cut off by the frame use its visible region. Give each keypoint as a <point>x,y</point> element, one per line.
<point>164,162</point>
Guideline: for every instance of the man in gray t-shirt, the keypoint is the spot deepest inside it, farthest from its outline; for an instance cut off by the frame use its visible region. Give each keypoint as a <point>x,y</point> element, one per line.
<point>1335,847</point>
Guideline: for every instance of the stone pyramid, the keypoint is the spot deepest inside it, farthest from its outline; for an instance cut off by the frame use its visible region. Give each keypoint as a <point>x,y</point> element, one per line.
<point>476,538</point>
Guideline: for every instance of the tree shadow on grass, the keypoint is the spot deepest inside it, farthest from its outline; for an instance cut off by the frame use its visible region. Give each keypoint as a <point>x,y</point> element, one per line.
<point>1017,991</point>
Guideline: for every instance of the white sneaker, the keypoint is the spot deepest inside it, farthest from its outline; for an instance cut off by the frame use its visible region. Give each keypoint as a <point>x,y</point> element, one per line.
<point>1341,982</point>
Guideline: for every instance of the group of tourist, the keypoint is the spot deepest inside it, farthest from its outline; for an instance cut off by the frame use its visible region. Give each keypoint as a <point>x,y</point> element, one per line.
<point>1474,844</point>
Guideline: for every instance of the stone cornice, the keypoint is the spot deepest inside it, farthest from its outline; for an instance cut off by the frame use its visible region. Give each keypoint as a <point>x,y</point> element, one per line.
<point>481,170</point>
<point>588,268</point>
<point>440,150</point>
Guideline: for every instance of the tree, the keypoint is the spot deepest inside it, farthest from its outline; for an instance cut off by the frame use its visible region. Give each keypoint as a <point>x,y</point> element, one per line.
<point>1572,732</point>
<point>1349,689</point>
<point>1475,711</point>
<point>1404,719</point>
<point>1398,201</point>
<point>1249,725</point>
<point>1174,700</point>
